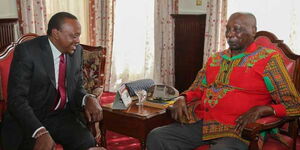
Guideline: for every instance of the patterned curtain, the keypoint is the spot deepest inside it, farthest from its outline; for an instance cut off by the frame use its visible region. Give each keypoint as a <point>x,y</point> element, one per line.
<point>164,41</point>
<point>101,30</point>
<point>32,14</point>
<point>133,46</point>
<point>216,20</point>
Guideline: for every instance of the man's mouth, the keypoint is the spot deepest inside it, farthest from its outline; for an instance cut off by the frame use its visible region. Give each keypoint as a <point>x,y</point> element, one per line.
<point>231,43</point>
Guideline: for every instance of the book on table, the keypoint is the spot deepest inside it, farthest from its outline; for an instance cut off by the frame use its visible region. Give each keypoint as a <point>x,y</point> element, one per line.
<point>161,96</point>
<point>159,103</point>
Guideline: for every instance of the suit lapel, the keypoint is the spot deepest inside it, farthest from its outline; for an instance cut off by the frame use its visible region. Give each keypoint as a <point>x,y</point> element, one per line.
<point>47,58</point>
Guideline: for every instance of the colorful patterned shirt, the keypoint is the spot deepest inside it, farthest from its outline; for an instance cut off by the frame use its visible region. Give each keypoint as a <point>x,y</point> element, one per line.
<point>229,86</point>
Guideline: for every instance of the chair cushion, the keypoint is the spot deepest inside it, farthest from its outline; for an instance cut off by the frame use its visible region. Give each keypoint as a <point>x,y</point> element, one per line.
<point>59,147</point>
<point>107,97</point>
<point>203,147</point>
<point>272,144</point>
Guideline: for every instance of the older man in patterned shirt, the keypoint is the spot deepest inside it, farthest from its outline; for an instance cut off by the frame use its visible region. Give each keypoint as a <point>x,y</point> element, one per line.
<point>237,86</point>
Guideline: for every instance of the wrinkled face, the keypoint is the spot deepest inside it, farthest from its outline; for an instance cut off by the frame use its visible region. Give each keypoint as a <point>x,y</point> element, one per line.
<point>68,36</point>
<point>239,33</point>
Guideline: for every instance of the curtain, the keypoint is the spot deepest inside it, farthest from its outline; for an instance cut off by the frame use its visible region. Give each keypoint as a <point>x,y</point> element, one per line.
<point>164,41</point>
<point>133,46</point>
<point>79,8</point>
<point>32,14</point>
<point>101,21</point>
<point>216,20</point>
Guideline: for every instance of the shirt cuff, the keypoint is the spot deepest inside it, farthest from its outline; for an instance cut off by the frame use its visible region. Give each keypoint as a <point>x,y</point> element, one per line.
<point>84,98</point>
<point>279,110</point>
<point>37,130</point>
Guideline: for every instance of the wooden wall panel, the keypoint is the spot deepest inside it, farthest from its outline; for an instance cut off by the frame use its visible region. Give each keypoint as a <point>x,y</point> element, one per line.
<point>7,32</point>
<point>189,45</point>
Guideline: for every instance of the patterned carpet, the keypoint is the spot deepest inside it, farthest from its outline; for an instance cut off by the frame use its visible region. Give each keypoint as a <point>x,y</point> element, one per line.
<point>117,141</point>
<point>120,142</point>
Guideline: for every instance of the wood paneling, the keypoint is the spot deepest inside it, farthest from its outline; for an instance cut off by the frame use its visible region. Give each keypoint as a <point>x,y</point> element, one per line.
<point>7,32</point>
<point>189,45</point>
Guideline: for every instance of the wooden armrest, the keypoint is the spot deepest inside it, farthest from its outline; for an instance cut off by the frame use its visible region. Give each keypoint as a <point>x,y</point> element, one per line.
<point>252,130</point>
<point>93,127</point>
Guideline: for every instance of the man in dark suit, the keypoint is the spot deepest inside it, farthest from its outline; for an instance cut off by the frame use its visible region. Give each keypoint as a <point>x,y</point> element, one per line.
<point>45,93</point>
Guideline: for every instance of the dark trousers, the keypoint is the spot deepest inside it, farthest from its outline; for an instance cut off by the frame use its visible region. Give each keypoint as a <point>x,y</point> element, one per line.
<point>178,136</point>
<point>66,129</point>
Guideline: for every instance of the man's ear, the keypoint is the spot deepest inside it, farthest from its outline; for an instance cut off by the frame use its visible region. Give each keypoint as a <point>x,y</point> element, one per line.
<point>55,34</point>
<point>254,30</point>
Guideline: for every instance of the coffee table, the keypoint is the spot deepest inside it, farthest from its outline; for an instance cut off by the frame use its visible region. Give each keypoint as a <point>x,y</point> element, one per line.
<point>136,121</point>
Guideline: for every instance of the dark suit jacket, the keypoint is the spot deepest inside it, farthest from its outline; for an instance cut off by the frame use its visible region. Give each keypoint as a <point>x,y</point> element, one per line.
<point>32,89</point>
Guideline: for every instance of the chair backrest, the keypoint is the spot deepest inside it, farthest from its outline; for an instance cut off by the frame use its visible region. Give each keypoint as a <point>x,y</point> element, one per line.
<point>292,63</point>
<point>93,68</point>
<point>5,61</point>
<point>291,60</point>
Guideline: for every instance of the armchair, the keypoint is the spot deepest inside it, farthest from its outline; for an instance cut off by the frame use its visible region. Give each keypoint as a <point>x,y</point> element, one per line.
<point>288,125</point>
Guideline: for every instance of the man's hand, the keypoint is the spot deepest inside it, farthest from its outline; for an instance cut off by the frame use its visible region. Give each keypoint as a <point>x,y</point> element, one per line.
<point>93,110</point>
<point>251,116</point>
<point>179,108</point>
<point>44,142</point>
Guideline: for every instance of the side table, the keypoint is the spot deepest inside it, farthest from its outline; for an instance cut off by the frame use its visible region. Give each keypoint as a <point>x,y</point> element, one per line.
<point>136,121</point>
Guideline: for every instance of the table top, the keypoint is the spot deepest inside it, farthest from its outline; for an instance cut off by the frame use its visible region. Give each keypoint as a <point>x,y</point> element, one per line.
<point>138,111</point>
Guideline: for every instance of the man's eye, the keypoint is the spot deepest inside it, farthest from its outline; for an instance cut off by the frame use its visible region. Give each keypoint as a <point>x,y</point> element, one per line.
<point>237,30</point>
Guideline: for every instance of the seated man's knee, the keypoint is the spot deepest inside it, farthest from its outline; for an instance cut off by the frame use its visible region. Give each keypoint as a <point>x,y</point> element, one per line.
<point>156,140</point>
<point>154,135</point>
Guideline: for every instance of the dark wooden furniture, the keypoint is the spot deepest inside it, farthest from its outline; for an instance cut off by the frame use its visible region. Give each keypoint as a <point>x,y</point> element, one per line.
<point>189,45</point>
<point>7,32</point>
<point>136,121</point>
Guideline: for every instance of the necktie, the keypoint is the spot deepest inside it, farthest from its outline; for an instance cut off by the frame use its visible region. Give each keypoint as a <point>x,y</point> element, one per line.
<point>61,98</point>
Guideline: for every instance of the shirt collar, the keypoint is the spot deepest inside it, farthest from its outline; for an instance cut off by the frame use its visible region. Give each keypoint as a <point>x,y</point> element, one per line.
<point>56,53</point>
<point>251,48</point>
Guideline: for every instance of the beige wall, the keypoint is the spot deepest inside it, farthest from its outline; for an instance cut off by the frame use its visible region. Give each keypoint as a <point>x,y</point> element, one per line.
<point>8,9</point>
<point>190,7</point>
